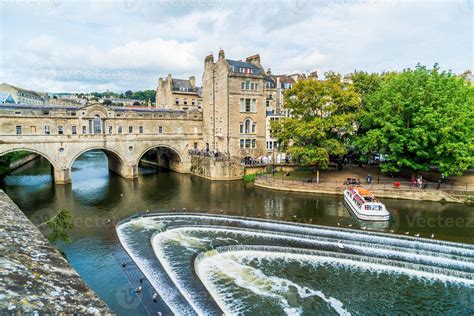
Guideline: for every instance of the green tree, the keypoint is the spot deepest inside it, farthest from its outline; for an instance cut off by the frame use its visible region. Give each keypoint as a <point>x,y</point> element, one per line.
<point>323,117</point>
<point>419,118</point>
<point>58,226</point>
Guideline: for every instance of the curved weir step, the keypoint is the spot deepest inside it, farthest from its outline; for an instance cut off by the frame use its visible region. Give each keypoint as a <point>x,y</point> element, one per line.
<point>176,242</point>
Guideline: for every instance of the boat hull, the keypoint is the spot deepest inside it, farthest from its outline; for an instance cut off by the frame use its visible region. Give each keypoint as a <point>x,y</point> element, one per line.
<point>365,217</point>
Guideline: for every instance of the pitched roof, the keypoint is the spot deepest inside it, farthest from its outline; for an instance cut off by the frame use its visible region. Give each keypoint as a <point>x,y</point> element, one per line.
<point>236,64</point>
<point>182,84</point>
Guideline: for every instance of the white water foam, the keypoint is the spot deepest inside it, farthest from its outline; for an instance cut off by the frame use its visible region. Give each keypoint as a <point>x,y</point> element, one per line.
<point>144,265</point>
<point>384,245</point>
<point>228,263</point>
<point>258,282</point>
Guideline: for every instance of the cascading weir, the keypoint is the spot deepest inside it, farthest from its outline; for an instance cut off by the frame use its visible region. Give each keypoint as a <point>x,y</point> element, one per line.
<point>210,264</point>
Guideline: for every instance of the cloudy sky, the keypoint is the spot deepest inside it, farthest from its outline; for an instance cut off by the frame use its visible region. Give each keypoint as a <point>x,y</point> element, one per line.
<point>95,45</point>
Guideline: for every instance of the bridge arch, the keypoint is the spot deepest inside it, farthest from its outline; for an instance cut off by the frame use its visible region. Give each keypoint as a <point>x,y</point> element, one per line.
<point>166,157</point>
<point>32,150</point>
<point>116,161</point>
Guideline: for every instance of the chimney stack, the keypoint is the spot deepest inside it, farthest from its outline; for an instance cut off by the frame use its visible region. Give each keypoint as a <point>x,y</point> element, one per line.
<point>209,59</point>
<point>192,80</point>
<point>221,54</point>
<point>255,59</point>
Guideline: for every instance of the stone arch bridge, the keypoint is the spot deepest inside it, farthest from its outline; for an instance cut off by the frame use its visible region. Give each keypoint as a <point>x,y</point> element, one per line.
<point>62,134</point>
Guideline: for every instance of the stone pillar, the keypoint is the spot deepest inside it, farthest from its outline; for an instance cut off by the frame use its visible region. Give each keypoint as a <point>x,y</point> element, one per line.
<point>62,175</point>
<point>121,168</point>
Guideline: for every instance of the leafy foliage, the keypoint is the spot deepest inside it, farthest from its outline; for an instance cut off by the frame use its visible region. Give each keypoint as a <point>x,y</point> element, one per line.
<point>323,117</point>
<point>137,95</point>
<point>59,225</point>
<point>418,118</point>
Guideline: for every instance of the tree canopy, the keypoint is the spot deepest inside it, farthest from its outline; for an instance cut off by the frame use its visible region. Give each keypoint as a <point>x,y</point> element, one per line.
<point>323,117</point>
<point>417,118</point>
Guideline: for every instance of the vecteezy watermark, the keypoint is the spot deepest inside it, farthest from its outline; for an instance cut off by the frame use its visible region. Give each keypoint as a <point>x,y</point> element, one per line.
<point>305,6</point>
<point>26,3</point>
<point>126,297</point>
<point>78,222</point>
<point>52,72</point>
<point>134,6</point>
<point>439,221</point>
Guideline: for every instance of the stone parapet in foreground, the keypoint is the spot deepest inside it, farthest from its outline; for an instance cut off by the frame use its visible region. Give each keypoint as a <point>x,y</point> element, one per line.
<point>34,277</point>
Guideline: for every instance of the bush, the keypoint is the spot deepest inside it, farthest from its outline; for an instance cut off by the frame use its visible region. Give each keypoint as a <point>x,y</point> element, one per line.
<point>250,177</point>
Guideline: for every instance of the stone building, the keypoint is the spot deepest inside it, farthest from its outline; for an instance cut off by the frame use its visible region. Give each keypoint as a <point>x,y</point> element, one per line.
<point>234,106</point>
<point>24,96</point>
<point>178,94</point>
<point>275,88</point>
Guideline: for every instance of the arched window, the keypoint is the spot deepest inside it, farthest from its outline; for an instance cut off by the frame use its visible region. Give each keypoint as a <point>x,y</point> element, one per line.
<point>97,125</point>
<point>247,126</point>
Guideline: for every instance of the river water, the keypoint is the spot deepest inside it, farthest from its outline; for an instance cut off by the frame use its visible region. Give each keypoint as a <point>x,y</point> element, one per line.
<point>96,195</point>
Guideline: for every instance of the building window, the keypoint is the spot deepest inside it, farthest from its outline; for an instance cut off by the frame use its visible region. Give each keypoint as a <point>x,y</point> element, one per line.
<point>253,128</point>
<point>45,112</point>
<point>247,124</point>
<point>241,144</point>
<point>140,129</point>
<point>256,87</point>
<point>268,103</point>
<point>185,101</point>
<point>254,143</point>
<point>97,125</point>
<point>17,113</point>
<point>119,130</point>
<point>110,129</point>
<point>242,85</point>
<point>254,106</point>
<point>74,130</point>
<point>130,129</point>
<point>60,130</point>
<point>84,130</point>
<point>18,130</point>
<point>195,146</point>
<point>247,85</point>
<point>73,113</point>
<point>160,129</point>
<point>247,105</point>
<point>241,128</point>
<point>177,101</point>
<point>252,86</point>
<point>193,102</point>
<point>247,143</point>
<point>33,129</point>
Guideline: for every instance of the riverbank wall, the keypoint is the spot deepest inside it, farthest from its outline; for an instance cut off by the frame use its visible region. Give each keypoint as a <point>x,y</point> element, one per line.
<point>379,191</point>
<point>212,168</point>
<point>34,277</point>
<point>22,161</point>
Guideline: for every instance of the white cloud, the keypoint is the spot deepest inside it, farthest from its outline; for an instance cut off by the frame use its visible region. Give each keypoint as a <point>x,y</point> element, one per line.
<point>94,45</point>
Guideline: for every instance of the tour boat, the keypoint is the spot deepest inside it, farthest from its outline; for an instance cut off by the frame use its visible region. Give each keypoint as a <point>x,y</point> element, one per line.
<point>364,205</point>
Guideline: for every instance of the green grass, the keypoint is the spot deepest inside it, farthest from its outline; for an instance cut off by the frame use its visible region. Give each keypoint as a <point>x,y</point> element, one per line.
<point>295,175</point>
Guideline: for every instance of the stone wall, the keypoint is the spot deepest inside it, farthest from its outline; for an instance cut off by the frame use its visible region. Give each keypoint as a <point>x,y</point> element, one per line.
<point>22,161</point>
<point>215,169</point>
<point>392,193</point>
<point>34,277</point>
